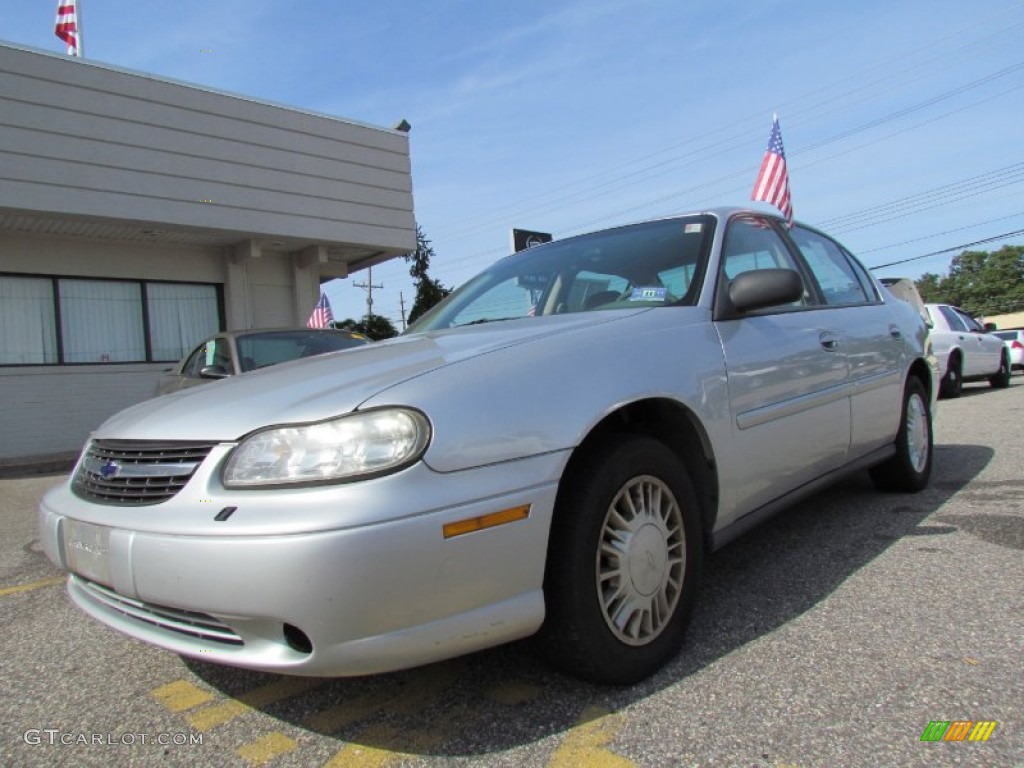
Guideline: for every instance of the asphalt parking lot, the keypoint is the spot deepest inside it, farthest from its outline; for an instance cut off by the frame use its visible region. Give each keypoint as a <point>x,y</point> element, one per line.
<point>832,635</point>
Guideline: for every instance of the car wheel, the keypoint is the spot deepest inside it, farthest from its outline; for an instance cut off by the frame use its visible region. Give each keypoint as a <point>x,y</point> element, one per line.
<point>952,383</point>
<point>623,562</point>
<point>1001,380</point>
<point>911,467</point>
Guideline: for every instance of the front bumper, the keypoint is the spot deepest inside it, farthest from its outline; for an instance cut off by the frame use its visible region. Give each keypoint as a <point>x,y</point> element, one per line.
<point>373,597</point>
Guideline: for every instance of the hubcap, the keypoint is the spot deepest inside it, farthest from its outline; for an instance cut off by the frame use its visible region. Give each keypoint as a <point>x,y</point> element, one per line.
<point>917,432</point>
<point>641,560</point>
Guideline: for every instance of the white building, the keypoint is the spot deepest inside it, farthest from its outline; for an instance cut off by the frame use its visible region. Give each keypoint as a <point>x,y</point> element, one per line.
<point>138,215</point>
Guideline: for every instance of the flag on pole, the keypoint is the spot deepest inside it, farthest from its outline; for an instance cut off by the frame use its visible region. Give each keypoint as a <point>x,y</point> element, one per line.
<point>322,316</point>
<point>772,184</point>
<point>67,26</point>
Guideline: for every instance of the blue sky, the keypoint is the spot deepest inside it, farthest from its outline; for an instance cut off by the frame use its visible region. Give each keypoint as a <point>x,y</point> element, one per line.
<point>903,121</point>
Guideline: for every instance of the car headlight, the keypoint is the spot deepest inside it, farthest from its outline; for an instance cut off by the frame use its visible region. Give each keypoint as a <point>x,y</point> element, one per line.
<point>350,447</point>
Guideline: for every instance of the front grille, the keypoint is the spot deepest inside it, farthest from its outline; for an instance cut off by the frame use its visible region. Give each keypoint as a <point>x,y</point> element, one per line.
<point>136,472</point>
<point>190,623</point>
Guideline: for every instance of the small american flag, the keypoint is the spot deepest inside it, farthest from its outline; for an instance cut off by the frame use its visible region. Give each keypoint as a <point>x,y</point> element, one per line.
<point>322,316</point>
<point>772,184</point>
<point>67,25</point>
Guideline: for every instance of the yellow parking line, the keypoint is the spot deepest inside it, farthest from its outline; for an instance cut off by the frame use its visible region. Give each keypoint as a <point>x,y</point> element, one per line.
<point>423,685</point>
<point>426,684</point>
<point>584,743</point>
<point>210,717</point>
<point>360,756</point>
<point>224,712</point>
<point>181,695</point>
<point>513,693</point>
<point>51,582</point>
<point>347,712</point>
<point>266,748</point>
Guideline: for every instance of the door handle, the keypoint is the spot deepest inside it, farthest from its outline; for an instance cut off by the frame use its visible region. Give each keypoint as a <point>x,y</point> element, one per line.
<point>895,332</point>
<point>829,340</point>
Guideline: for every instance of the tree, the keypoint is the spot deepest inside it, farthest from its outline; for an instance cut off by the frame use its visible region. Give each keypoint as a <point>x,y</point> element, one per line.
<point>979,282</point>
<point>377,327</point>
<point>428,290</point>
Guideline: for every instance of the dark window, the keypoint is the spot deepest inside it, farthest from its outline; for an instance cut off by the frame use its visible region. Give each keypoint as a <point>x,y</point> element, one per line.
<point>64,320</point>
<point>955,323</point>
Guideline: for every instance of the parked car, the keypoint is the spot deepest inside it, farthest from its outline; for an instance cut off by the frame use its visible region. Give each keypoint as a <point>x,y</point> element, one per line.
<point>549,450</point>
<point>1014,341</point>
<point>233,352</point>
<point>965,351</point>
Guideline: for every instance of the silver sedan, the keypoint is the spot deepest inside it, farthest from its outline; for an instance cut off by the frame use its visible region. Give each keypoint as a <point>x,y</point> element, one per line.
<point>550,450</point>
<point>234,352</point>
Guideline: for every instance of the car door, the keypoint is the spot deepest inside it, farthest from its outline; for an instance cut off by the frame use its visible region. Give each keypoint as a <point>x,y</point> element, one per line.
<point>787,377</point>
<point>982,354</point>
<point>869,337</point>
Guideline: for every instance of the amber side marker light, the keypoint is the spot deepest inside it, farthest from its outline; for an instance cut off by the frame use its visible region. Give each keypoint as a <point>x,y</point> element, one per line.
<point>469,525</point>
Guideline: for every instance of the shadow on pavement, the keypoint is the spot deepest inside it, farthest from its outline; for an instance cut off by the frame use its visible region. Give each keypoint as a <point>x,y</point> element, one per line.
<point>504,698</point>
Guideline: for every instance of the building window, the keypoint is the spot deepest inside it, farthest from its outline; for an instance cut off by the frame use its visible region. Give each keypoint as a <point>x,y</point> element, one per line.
<point>180,316</point>
<point>102,321</point>
<point>28,333</point>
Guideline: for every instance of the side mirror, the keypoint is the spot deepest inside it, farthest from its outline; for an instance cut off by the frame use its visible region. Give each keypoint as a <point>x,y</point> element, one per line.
<point>762,288</point>
<point>989,327</point>
<point>214,372</point>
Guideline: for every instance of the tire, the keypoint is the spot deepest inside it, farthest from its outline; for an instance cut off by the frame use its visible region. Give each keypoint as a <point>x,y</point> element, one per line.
<point>623,563</point>
<point>910,469</point>
<point>952,383</point>
<point>1001,379</point>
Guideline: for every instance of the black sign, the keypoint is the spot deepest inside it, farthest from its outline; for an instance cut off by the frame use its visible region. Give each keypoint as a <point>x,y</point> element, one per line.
<point>524,238</point>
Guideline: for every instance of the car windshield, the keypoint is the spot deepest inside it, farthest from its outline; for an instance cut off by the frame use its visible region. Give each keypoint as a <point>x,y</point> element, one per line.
<point>258,350</point>
<point>654,264</point>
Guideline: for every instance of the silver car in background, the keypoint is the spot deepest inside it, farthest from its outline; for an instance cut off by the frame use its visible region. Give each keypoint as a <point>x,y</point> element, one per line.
<point>550,450</point>
<point>231,353</point>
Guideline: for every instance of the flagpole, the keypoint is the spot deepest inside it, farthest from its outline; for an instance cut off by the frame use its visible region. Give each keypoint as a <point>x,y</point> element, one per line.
<point>81,30</point>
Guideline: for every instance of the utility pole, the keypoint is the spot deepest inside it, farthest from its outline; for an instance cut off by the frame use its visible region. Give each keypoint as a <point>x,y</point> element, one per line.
<point>401,303</point>
<point>369,286</point>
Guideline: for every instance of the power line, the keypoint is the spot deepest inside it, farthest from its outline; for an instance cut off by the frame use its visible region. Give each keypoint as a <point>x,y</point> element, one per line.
<point>950,250</point>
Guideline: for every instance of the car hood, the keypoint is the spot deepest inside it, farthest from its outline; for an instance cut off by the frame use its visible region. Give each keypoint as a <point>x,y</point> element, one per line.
<point>327,385</point>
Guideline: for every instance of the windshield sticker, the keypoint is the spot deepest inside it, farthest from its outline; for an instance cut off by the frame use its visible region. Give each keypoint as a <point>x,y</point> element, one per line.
<point>690,228</point>
<point>654,293</point>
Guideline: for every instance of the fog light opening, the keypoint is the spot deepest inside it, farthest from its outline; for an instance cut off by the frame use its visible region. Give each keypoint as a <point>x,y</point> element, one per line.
<point>297,639</point>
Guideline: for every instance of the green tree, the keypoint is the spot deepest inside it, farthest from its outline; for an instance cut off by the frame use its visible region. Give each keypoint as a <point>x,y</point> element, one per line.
<point>377,327</point>
<point>428,290</point>
<point>979,282</point>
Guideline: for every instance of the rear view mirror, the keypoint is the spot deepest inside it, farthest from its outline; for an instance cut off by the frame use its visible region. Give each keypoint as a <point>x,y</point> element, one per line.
<point>214,372</point>
<point>762,288</point>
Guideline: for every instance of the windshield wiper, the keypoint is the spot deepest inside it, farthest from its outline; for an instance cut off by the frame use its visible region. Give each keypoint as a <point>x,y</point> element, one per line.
<point>485,320</point>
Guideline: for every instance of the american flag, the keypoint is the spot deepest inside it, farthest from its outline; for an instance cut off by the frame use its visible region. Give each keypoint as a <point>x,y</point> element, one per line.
<point>322,316</point>
<point>67,25</point>
<point>772,184</point>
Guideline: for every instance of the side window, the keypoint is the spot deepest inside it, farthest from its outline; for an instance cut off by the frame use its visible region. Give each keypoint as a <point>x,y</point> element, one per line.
<point>833,271</point>
<point>752,243</point>
<point>193,364</point>
<point>865,279</point>
<point>952,319</point>
<point>970,322</point>
<point>213,352</point>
